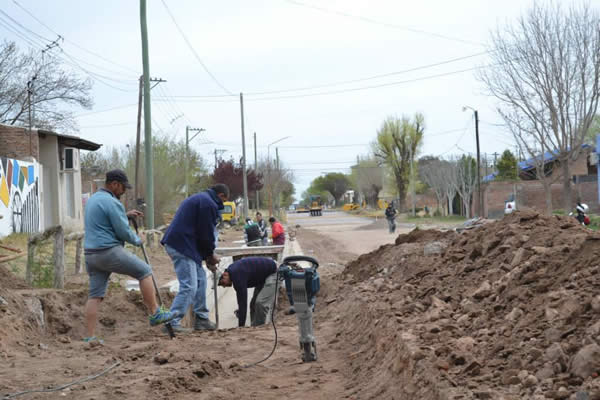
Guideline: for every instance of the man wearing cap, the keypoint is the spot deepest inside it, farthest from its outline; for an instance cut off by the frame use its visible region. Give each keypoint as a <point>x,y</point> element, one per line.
<point>189,240</point>
<point>106,230</point>
<point>259,273</point>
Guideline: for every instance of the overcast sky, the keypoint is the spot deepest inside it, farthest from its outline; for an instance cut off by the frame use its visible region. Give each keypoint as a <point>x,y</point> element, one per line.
<point>280,46</point>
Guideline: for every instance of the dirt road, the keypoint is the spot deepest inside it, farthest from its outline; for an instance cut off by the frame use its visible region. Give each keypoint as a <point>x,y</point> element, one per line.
<point>207,365</point>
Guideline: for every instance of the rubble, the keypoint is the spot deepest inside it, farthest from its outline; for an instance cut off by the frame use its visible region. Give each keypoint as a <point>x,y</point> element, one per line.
<point>507,310</point>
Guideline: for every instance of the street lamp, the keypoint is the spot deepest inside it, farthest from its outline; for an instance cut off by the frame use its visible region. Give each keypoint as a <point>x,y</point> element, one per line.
<point>187,153</point>
<point>479,198</point>
<point>269,172</point>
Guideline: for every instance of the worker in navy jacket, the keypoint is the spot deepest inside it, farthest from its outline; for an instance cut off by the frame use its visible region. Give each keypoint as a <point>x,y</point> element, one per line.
<point>259,273</point>
<point>189,240</point>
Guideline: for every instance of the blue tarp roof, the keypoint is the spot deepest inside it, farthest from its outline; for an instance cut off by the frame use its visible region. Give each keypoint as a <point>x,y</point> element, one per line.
<point>529,164</point>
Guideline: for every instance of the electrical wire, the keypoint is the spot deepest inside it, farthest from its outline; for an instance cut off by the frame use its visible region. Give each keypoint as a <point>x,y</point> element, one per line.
<point>59,388</point>
<point>386,24</point>
<point>70,41</point>
<point>189,45</point>
<point>106,110</point>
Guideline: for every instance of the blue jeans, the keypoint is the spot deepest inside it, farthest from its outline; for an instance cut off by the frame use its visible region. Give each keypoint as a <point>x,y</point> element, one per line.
<point>192,286</point>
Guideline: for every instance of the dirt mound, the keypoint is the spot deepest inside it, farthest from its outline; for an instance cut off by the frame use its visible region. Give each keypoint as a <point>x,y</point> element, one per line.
<point>504,311</point>
<point>10,281</point>
<point>423,235</point>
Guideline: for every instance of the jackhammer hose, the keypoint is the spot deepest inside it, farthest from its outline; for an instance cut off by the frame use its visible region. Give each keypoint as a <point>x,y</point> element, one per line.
<point>274,327</point>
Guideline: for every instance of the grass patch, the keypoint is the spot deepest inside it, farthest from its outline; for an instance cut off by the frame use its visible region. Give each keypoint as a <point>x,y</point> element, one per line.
<point>432,220</point>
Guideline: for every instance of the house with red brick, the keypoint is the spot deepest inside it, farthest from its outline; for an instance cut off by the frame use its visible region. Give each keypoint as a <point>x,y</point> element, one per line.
<point>529,192</point>
<point>40,180</point>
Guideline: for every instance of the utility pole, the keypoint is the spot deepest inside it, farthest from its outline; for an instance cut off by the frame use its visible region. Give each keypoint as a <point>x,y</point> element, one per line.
<point>187,155</point>
<point>138,134</point>
<point>412,181</point>
<point>480,214</point>
<point>137,141</point>
<point>495,154</point>
<point>29,95</point>
<point>147,120</point>
<point>256,172</point>
<point>245,178</point>
<point>278,172</point>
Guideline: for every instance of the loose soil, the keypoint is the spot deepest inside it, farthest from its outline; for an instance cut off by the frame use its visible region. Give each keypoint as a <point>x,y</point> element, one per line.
<point>506,310</point>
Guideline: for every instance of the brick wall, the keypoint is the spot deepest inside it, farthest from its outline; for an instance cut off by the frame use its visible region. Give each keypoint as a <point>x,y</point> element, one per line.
<point>14,143</point>
<point>531,194</point>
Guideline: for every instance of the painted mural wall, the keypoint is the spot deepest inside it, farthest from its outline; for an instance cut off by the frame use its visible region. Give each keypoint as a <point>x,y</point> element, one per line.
<point>19,196</point>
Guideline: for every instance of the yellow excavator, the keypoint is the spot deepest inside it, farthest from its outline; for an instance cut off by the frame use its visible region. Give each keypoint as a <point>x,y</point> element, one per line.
<point>316,206</point>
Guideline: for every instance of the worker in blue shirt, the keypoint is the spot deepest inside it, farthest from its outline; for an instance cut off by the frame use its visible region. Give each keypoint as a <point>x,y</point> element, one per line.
<point>106,230</point>
<point>259,273</point>
<point>189,240</point>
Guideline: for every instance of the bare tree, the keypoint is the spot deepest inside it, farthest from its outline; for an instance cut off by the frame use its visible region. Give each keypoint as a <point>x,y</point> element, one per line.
<point>546,74</point>
<point>367,177</point>
<point>277,180</point>
<point>54,86</point>
<point>432,173</point>
<point>447,170</point>
<point>464,179</point>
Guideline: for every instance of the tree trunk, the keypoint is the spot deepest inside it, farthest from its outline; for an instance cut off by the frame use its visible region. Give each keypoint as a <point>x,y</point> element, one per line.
<point>566,175</point>
<point>450,205</point>
<point>401,191</point>
<point>467,207</point>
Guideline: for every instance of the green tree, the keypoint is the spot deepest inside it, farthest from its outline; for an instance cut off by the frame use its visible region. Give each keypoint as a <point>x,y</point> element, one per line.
<point>398,144</point>
<point>507,167</point>
<point>335,183</point>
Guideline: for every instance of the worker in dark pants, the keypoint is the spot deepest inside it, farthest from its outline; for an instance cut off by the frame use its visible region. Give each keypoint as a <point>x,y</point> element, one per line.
<point>390,215</point>
<point>259,273</point>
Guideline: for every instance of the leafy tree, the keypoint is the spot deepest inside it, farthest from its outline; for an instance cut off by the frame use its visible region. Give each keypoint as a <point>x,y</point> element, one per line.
<point>335,183</point>
<point>507,167</point>
<point>398,143</point>
<point>169,182</point>
<point>55,87</point>
<point>231,173</point>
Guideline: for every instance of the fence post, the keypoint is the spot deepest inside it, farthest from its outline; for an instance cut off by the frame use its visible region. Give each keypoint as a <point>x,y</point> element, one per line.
<point>59,258</point>
<point>78,256</point>
<point>30,260</point>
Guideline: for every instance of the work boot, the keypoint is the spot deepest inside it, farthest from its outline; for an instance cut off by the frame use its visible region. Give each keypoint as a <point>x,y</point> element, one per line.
<point>202,324</point>
<point>177,329</point>
<point>161,316</point>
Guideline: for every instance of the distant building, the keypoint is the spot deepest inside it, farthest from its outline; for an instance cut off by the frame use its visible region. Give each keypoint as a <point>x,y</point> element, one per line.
<point>40,180</point>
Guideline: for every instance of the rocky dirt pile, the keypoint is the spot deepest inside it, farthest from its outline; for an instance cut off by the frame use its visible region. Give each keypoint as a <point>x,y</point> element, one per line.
<point>505,311</point>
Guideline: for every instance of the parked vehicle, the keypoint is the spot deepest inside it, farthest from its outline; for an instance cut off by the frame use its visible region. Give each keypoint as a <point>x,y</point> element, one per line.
<point>229,215</point>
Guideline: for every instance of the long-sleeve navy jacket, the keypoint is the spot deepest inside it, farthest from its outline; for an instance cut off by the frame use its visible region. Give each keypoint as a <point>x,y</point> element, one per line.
<point>192,231</point>
<point>247,273</point>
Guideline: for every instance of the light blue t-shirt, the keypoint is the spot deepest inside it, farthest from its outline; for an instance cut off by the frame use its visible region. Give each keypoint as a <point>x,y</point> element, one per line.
<point>106,223</point>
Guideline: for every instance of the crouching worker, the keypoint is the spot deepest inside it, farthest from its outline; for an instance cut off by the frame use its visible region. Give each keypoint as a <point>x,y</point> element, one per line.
<point>259,273</point>
<point>106,230</point>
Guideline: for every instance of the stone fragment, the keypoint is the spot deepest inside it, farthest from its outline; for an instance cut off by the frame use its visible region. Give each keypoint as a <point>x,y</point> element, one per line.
<point>484,290</point>
<point>555,354</point>
<point>530,381</point>
<point>518,257</point>
<point>514,315</point>
<point>433,248</point>
<point>34,305</point>
<point>586,361</point>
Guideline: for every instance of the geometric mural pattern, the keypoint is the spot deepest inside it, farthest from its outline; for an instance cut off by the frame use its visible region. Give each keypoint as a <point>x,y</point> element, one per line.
<point>19,197</point>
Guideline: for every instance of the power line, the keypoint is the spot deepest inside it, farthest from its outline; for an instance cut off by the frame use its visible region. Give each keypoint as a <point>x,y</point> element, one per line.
<point>437,64</point>
<point>339,91</point>
<point>107,125</point>
<point>386,24</point>
<point>106,110</point>
<point>71,42</point>
<point>189,45</point>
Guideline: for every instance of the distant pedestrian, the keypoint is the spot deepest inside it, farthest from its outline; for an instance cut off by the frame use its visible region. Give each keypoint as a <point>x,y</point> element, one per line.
<point>264,231</point>
<point>106,230</point>
<point>390,215</point>
<point>189,240</point>
<point>252,233</point>
<point>277,232</point>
